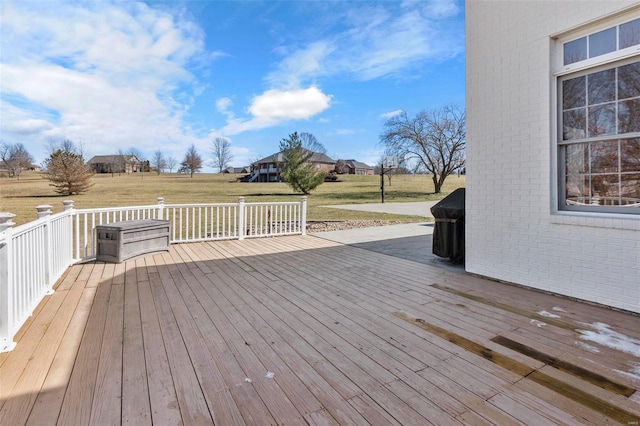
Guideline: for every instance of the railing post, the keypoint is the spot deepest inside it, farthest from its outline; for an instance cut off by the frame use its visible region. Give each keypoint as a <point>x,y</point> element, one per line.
<point>6,282</point>
<point>160,208</point>
<point>303,214</point>
<point>67,206</point>
<point>44,211</point>
<point>241,218</point>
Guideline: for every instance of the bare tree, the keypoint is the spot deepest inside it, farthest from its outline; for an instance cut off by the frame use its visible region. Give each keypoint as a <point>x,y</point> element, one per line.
<point>221,149</point>
<point>310,142</point>
<point>120,162</point>
<point>192,160</point>
<point>15,157</point>
<point>66,169</point>
<point>434,139</point>
<point>341,167</point>
<point>158,161</point>
<point>171,163</point>
<point>144,163</point>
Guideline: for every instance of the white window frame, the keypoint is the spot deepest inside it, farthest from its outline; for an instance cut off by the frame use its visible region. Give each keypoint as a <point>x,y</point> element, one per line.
<point>561,72</point>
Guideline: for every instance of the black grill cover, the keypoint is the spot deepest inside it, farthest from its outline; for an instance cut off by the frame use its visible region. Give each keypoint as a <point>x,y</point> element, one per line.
<point>448,233</point>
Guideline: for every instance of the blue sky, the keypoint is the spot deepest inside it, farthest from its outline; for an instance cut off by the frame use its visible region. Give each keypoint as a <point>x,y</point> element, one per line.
<point>165,75</point>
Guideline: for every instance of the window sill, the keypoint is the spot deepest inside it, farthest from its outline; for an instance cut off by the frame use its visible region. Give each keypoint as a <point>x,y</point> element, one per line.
<point>597,220</point>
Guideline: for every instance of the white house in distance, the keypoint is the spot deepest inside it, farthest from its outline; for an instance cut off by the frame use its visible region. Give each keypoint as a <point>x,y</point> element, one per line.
<point>553,146</point>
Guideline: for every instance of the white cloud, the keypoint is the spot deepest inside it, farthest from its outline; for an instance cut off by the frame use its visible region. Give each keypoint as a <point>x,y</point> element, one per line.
<point>223,104</point>
<point>289,104</point>
<point>390,114</point>
<point>28,126</point>
<point>378,42</point>
<point>111,75</point>
<point>275,106</point>
<point>441,8</point>
<point>293,69</point>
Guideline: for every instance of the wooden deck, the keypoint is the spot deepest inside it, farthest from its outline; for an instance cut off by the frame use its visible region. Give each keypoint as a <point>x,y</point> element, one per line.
<point>300,330</point>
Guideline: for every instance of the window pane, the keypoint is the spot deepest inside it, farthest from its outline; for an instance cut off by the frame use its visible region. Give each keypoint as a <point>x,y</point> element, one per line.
<point>577,158</point>
<point>630,34</point>
<point>630,155</point>
<point>629,81</point>
<point>602,120</point>
<point>604,157</point>
<point>574,92</point>
<point>631,188</point>
<point>629,116</point>
<point>602,42</point>
<point>602,86</point>
<point>603,188</point>
<point>574,124</point>
<point>575,51</point>
<point>577,168</point>
<point>578,190</point>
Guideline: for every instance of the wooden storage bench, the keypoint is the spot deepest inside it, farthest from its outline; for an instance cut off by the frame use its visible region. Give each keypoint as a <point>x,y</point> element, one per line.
<point>120,241</point>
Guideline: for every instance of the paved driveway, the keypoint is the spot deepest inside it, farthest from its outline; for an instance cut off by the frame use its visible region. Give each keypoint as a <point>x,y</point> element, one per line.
<point>410,241</point>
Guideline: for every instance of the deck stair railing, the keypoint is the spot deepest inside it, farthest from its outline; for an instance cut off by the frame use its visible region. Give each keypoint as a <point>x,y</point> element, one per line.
<point>34,256</point>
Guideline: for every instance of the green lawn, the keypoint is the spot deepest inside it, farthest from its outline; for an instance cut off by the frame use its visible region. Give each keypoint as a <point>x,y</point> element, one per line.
<point>22,196</point>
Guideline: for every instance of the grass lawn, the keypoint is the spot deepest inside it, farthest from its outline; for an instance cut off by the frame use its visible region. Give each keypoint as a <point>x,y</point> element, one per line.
<point>22,196</point>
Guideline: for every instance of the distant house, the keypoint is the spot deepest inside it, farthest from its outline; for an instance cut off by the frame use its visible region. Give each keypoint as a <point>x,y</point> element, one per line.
<point>268,169</point>
<point>353,167</point>
<point>237,170</point>
<point>115,164</point>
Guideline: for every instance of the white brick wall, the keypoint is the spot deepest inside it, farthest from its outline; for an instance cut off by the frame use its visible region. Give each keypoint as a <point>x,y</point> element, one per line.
<point>511,232</point>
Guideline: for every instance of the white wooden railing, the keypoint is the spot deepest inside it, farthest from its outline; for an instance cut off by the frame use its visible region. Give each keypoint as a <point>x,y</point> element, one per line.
<point>34,256</point>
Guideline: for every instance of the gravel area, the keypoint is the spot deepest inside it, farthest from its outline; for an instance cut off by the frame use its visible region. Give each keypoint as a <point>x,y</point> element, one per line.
<point>339,225</point>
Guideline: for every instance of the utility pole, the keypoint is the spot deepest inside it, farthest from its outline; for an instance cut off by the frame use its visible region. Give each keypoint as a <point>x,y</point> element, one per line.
<point>382,180</point>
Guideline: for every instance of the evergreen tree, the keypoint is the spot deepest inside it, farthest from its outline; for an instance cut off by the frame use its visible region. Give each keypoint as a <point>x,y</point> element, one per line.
<point>66,170</point>
<point>297,171</point>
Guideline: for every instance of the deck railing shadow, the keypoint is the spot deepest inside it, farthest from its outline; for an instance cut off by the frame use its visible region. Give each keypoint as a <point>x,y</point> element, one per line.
<point>33,256</point>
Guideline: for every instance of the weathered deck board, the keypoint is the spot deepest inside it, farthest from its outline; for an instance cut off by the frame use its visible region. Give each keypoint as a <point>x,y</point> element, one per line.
<point>106,407</point>
<point>172,338</point>
<point>136,408</point>
<point>78,398</point>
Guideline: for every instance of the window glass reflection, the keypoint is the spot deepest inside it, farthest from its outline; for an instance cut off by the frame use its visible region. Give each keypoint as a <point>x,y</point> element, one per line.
<point>629,81</point>
<point>602,120</point>
<point>574,124</point>
<point>604,156</point>
<point>577,158</point>
<point>630,188</point>
<point>630,155</point>
<point>602,86</point>
<point>629,116</point>
<point>574,92</point>
<point>577,187</point>
<point>575,51</point>
<point>604,188</point>
<point>629,34</point>
<point>602,42</point>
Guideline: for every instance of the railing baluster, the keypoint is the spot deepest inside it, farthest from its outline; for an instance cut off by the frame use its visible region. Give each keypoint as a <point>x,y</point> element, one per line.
<point>33,256</point>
